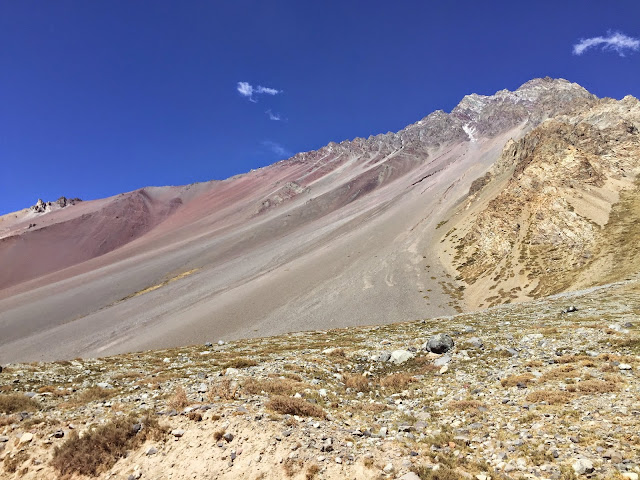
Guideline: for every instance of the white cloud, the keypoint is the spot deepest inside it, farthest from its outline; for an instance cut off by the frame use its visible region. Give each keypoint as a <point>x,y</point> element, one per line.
<point>276,148</point>
<point>246,90</point>
<point>267,90</point>
<point>273,116</point>
<point>616,41</point>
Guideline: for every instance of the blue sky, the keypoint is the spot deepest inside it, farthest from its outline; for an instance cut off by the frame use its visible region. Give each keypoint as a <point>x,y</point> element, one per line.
<point>98,98</point>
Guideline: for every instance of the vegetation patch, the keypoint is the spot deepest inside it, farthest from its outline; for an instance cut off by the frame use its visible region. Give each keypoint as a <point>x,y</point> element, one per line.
<point>17,402</point>
<point>295,406</point>
<point>100,448</point>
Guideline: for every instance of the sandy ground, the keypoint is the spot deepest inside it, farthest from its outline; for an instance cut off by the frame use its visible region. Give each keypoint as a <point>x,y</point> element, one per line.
<point>319,260</point>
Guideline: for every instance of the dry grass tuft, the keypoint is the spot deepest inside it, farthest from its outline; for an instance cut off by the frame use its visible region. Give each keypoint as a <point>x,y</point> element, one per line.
<point>218,434</point>
<point>179,399</point>
<point>443,473</point>
<point>99,449</point>
<point>240,363</point>
<point>514,380</point>
<point>12,462</point>
<point>277,386</point>
<point>94,394</point>
<point>397,381</point>
<point>295,406</point>
<point>312,471</point>
<point>559,373</point>
<point>17,402</point>
<point>225,389</point>
<point>338,352</point>
<point>358,382</point>
<point>597,386</point>
<point>552,397</point>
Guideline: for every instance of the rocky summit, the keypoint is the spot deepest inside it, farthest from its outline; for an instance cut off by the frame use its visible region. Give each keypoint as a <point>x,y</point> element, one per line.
<point>457,300</point>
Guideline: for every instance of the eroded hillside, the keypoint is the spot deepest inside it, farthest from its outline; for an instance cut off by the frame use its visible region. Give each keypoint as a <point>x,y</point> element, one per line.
<point>558,210</point>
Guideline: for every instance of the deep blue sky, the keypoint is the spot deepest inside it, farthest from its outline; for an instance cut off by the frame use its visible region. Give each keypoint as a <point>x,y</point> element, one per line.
<point>102,97</point>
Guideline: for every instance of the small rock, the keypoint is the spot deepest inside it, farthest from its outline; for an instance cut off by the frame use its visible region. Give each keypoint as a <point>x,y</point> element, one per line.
<point>26,437</point>
<point>228,437</point>
<point>443,360</point>
<point>444,369</point>
<point>383,357</point>
<point>440,343</point>
<point>388,468</point>
<point>151,451</point>
<point>220,342</point>
<point>400,356</point>
<point>202,388</point>
<point>630,475</point>
<point>475,342</point>
<point>177,433</point>
<point>230,372</point>
<point>624,366</point>
<point>583,466</point>
<point>339,460</point>
<point>104,385</point>
<point>58,434</point>
<point>409,476</point>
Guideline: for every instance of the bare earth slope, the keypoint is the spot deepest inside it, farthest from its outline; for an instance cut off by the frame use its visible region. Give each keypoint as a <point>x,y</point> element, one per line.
<point>559,211</point>
<point>336,237</point>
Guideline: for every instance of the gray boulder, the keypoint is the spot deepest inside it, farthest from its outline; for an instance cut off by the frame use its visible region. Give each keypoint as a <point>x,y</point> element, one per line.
<point>440,343</point>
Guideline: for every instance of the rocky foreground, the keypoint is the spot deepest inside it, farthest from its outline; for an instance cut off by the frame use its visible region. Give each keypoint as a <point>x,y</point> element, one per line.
<point>547,389</point>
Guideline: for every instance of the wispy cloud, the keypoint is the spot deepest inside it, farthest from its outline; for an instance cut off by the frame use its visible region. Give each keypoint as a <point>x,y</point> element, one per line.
<point>276,148</point>
<point>273,116</point>
<point>614,41</point>
<point>267,90</point>
<point>247,90</point>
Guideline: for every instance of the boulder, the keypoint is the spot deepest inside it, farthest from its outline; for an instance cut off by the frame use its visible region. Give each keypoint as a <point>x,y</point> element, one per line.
<point>440,343</point>
<point>400,356</point>
<point>583,466</point>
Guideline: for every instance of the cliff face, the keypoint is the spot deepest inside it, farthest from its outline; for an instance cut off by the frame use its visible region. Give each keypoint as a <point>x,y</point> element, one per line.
<point>555,209</point>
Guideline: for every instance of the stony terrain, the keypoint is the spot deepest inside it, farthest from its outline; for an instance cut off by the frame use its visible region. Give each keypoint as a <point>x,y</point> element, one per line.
<point>545,389</point>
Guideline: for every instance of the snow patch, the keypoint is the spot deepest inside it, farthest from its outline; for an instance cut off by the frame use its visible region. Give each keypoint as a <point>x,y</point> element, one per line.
<point>470,131</point>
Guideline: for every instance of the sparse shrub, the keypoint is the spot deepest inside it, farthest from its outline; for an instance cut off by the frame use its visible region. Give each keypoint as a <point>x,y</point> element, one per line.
<point>442,473</point>
<point>396,381</point>
<point>278,386</point>
<point>312,471</point>
<point>95,394</point>
<point>359,383</point>
<point>218,434</point>
<point>179,399</point>
<point>17,402</point>
<point>338,352</point>
<point>295,406</point>
<point>225,389</point>
<point>12,462</point>
<point>549,396</point>
<point>240,363</point>
<point>100,448</point>
<point>596,386</point>
<point>195,416</point>
<point>513,380</point>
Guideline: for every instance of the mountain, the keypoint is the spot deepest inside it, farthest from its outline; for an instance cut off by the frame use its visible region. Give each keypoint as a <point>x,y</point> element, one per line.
<point>407,225</point>
<point>558,211</point>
